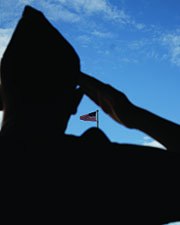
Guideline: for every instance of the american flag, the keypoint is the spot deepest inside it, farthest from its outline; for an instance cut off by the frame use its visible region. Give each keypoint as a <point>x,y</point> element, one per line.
<point>89,117</point>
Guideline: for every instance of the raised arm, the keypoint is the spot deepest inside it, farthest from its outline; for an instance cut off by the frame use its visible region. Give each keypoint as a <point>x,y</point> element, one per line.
<point>162,130</point>
<point>118,107</point>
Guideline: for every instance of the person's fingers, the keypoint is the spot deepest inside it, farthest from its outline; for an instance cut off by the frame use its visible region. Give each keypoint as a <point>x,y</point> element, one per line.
<point>112,101</point>
<point>99,92</point>
<point>90,86</point>
<point>89,81</point>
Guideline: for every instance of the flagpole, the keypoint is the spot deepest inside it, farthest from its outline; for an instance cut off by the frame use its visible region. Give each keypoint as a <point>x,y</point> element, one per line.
<point>97,118</point>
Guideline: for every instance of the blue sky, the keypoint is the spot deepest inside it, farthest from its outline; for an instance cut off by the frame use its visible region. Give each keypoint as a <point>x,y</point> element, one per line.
<point>134,45</point>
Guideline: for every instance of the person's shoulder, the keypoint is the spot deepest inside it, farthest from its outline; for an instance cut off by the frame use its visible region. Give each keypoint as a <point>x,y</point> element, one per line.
<point>91,137</point>
<point>95,135</point>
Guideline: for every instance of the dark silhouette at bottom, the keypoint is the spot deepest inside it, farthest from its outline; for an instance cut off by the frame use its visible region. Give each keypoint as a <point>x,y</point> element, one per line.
<point>81,179</point>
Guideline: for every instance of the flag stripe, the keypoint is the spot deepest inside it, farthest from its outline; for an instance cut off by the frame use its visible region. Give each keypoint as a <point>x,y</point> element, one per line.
<point>89,117</point>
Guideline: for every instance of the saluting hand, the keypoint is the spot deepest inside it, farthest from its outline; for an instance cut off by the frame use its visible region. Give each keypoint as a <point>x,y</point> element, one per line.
<point>113,102</point>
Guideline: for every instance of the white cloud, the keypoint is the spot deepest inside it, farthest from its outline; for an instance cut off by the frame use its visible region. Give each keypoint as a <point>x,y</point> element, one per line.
<point>140,26</point>
<point>138,44</point>
<point>62,1</point>
<point>56,11</point>
<point>147,138</point>
<point>101,34</point>
<point>85,40</point>
<point>75,10</point>
<point>172,42</point>
<point>1,116</point>
<point>89,6</point>
<point>173,223</point>
<point>152,143</point>
<point>108,10</point>
<point>5,35</point>
<point>25,2</point>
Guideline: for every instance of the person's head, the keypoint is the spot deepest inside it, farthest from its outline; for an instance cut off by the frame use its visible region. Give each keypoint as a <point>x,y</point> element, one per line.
<point>39,69</point>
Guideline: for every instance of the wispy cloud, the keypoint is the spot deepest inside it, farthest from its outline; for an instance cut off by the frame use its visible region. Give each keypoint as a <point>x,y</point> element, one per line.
<point>56,11</point>
<point>5,35</point>
<point>85,40</point>
<point>102,34</point>
<point>152,143</point>
<point>172,42</point>
<point>90,7</point>
<point>78,10</point>
<point>139,26</point>
<point>154,43</point>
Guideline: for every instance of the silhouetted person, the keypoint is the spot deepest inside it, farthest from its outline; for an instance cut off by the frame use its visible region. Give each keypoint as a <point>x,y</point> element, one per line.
<point>39,74</point>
